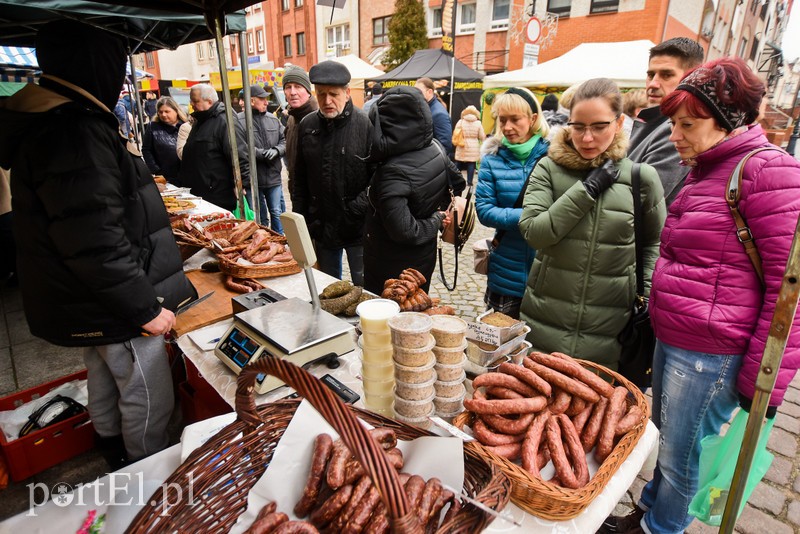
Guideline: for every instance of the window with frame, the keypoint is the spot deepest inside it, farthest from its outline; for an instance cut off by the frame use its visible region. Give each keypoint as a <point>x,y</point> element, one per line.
<point>436,22</point>
<point>249,42</point>
<point>338,38</point>
<point>301,44</point>
<point>298,3</point>
<point>150,60</point>
<point>604,6</point>
<point>201,50</point>
<point>287,45</point>
<point>285,5</point>
<point>466,18</point>
<point>260,40</point>
<point>764,9</point>
<point>754,49</point>
<point>500,13</point>
<point>742,47</point>
<point>559,7</point>
<point>380,30</point>
<point>212,50</point>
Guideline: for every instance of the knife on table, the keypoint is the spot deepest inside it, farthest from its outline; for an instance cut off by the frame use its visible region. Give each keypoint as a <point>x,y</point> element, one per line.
<point>183,306</point>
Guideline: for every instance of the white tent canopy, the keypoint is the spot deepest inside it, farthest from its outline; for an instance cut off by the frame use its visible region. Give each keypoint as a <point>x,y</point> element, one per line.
<point>625,63</point>
<point>359,69</point>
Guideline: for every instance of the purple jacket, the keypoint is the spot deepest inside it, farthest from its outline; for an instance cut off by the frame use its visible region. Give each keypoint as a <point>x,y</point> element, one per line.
<point>706,296</point>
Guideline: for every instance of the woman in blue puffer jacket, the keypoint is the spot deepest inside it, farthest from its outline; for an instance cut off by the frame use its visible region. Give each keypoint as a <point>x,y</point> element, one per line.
<point>507,160</point>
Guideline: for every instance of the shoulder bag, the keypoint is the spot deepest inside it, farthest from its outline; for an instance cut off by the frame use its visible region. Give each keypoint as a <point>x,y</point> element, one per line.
<point>637,338</point>
<point>483,248</point>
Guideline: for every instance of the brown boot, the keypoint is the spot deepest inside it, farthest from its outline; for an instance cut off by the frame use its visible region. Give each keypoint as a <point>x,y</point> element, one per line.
<point>627,524</point>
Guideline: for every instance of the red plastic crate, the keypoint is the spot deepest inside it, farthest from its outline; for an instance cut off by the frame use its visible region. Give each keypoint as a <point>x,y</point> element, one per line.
<point>205,399</point>
<point>49,446</point>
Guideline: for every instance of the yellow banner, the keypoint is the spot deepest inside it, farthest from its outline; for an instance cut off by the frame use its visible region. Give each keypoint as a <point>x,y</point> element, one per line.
<point>270,77</point>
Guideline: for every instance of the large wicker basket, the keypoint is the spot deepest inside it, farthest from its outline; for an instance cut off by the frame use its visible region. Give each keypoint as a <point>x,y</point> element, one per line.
<point>553,502</point>
<point>265,270</point>
<point>221,472</point>
<point>224,227</point>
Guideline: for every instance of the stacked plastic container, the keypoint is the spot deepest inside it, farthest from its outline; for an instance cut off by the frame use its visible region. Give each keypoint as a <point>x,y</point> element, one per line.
<point>412,345</point>
<point>449,333</point>
<point>377,369</point>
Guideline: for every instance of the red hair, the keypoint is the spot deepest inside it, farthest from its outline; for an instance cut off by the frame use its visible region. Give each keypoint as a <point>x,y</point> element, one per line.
<point>694,106</point>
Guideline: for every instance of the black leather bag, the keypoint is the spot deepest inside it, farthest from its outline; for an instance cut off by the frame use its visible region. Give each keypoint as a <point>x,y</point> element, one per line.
<point>637,338</point>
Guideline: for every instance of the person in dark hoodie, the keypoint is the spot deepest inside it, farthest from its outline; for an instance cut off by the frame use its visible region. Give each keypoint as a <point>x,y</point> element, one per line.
<point>206,165</point>
<point>408,191</point>
<point>98,266</point>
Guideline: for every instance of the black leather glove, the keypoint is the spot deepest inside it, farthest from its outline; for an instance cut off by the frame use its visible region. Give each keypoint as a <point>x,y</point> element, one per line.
<point>601,178</point>
<point>270,154</point>
<point>745,404</point>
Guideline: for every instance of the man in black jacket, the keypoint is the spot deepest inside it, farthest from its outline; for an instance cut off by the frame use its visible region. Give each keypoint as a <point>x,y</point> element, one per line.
<point>330,172</point>
<point>98,266</point>
<point>270,145</point>
<point>206,165</point>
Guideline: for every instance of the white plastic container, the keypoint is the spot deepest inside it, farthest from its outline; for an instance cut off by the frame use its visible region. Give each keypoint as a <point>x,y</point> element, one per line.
<point>453,388</point>
<point>413,408</point>
<point>382,404</point>
<point>448,330</point>
<point>419,422</point>
<point>506,333</point>
<point>415,357</point>
<point>415,375</point>
<point>446,406</point>
<point>376,355</point>
<point>450,355</point>
<point>450,372</point>
<point>410,330</point>
<point>374,314</point>
<point>415,391</point>
<point>383,388</point>
<point>483,357</point>
<point>372,372</point>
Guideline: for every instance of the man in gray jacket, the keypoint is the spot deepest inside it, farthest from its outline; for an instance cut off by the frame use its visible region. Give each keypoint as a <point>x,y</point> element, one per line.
<point>650,143</point>
<point>270,143</point>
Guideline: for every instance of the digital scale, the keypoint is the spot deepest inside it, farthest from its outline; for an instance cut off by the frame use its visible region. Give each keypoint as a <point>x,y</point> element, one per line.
<point>292,329</point>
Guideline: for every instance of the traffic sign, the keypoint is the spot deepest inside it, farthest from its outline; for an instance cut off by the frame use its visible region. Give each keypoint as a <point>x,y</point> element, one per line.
<point>533,30</point>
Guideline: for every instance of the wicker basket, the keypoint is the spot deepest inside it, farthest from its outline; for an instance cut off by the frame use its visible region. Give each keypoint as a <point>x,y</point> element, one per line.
<point>266,270</point>
<point>222,471</point>
<point>223,228</point>
<point>553,502</point>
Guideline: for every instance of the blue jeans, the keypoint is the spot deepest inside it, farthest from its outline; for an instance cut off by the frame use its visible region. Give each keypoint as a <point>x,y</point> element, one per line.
<point>694,394</point>
<point>275,204</point>
<point>470,166</point>
<point>330,261</point>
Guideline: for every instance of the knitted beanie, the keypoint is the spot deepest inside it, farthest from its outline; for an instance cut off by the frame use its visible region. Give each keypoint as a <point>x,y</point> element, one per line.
<point>294,74</point>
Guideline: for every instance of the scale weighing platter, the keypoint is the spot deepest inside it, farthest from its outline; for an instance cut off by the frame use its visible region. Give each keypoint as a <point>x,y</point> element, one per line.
<point>291,329</point>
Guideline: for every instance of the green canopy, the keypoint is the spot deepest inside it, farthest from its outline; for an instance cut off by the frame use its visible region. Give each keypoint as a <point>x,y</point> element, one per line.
<point>150,24</point>
<point>9,88</point>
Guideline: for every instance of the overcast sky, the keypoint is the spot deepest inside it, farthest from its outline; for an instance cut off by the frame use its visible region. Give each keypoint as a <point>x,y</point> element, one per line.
<point>791,37</point>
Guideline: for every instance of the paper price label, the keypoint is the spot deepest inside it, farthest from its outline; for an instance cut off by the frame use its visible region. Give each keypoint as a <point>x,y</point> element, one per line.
<point>485,333</point>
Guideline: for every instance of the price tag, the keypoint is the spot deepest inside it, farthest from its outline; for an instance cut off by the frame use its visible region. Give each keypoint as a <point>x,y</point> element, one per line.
<point>485,333</point>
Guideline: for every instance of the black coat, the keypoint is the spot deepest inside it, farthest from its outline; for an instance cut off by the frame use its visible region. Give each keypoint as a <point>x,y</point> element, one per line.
<point>206,166</point>
<point>268,132</point>
<point>408,189</point>
<point>95,247</point>
<point>159,148</point>
<point>331,176</point>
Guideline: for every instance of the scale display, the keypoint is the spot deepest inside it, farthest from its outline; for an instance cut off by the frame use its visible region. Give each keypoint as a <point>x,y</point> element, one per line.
<point>239,347</point>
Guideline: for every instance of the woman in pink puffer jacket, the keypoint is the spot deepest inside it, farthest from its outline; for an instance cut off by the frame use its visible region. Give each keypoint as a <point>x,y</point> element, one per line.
<point>709,311</point>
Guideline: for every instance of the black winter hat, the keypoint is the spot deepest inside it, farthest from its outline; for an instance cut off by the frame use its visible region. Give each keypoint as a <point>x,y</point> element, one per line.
<point>329,73</point>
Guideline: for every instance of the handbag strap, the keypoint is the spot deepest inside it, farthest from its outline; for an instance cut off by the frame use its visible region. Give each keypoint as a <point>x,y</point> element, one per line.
<point>638,230</point>
<point>457,235</point>
<point>732,196</point>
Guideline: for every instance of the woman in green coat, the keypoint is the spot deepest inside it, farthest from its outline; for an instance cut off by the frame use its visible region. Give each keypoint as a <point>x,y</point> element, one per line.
<point>578,214</point>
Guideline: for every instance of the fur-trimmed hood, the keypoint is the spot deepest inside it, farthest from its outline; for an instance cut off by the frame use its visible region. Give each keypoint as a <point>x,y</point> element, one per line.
<point>563,152</point>
<point>491,145</point>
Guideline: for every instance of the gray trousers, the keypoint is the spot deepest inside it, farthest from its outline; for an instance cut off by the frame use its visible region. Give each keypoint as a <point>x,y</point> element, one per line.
<point>130,393</point>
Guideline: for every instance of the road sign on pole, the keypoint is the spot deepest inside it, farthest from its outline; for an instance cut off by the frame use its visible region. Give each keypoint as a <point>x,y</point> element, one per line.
<point>533,30</point>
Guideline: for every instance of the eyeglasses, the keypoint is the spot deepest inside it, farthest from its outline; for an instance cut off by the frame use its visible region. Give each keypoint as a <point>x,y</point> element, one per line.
<point>596,128</point>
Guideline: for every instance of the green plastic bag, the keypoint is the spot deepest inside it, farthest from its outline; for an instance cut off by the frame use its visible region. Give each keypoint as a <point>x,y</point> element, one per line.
<point>249,214</point>
<point>717,463</point>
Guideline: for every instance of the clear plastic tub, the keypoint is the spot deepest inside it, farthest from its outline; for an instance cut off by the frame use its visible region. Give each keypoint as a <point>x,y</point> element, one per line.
<point>450,355</point>
<point>483,356</point>
<point>415,375</point>
<point>450,372</point>
<point>449,405</point>
<point>376,340</point>
<point>453,388</point>
<point>415,391</point>
<point>520,353</point>
<point>448,330</point>
<point>410,330</point>
<point>449,416</point>
<point>413,408</point>
<point>415,357</point>
<point>374,314</point>
<point>419,422</point>
<point>382,404</point>
<point>381,388</point>
<point>372,372</point>
<point>377,355</point>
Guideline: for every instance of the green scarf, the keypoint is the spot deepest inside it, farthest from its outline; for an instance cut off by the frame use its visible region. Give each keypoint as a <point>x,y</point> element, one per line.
<point>523,150</point>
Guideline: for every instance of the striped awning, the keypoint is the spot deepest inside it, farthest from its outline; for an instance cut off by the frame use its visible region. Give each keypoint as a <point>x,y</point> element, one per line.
<point>18,75</point>
<point>18,57</point>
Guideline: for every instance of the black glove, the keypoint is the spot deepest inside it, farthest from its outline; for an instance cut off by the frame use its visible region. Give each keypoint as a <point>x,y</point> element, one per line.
<point>600,179</point>
<point>270,154</point>
<point>745,404</point>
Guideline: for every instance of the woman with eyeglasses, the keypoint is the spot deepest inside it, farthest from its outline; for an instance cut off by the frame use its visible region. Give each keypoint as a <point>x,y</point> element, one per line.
<point>578,215</point>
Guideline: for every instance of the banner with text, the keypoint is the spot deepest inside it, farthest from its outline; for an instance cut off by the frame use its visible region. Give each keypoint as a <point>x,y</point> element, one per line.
<point>449,26</point>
